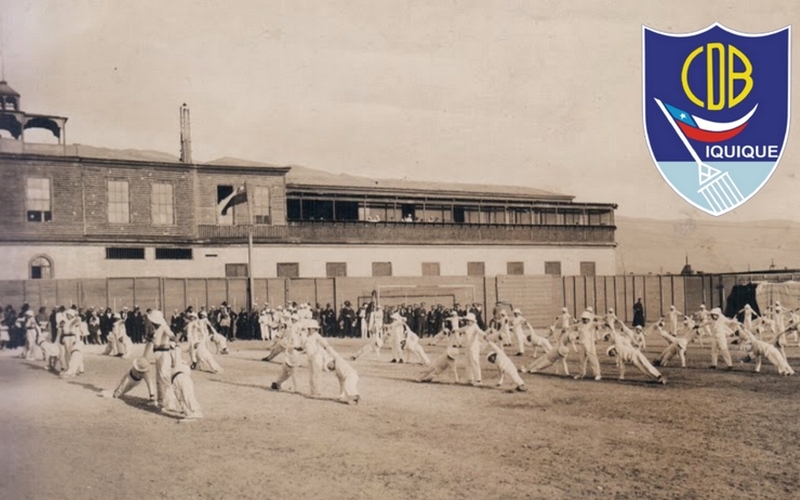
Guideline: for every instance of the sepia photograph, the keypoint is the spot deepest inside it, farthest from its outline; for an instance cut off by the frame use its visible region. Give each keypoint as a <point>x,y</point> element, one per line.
<point>399,249</point>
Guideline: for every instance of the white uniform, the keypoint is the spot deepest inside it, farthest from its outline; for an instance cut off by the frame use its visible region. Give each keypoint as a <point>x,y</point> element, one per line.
<point>348,377</point>
<point>75,366</point>
<point>674,318</point>
<point>375,344</point>
<point>162,352</point>
<point>766,350</point>
<point>558,353</point>
<point>183,387</point>
<point>290,361</point>
<point>517,323</point>
<point>316,360</point>
<point>719,341</point>
<point>199,354</point>
<point>677,346</point>
<point>414,348</point>
<point>70,332</point>
<point>32,351</point>
<point>474,339</point>
<point>505,367</point>
<point>396,329</point>
<point>134,376</point>
<point>625,352</point>
<point>586,333</point>
<point>443,362</point>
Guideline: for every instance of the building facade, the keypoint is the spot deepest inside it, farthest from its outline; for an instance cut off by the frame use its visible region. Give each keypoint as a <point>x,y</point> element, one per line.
<point>73,211</point>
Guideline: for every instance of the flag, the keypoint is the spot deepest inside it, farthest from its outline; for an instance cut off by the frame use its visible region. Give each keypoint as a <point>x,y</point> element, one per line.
<point>236,198</point>
<point>702,130</point>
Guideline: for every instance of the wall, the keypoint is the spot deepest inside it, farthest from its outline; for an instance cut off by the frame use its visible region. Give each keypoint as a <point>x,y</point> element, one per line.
<point>539,297</point>
<point>88,261</point>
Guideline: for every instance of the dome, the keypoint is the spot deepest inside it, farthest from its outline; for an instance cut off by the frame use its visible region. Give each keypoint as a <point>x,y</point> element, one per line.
<point>5,89</point>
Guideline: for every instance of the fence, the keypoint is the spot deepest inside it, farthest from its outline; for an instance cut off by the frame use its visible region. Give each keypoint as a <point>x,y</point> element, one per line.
<point>539,297</point>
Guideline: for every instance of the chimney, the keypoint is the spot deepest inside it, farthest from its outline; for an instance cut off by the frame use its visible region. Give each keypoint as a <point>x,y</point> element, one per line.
<point>186,135</point>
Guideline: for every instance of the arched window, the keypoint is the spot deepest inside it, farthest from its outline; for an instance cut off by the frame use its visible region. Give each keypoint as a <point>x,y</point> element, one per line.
<point>41,268</point>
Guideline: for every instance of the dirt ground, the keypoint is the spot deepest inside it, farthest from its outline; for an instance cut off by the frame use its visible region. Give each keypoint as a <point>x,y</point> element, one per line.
<point>706,434</point>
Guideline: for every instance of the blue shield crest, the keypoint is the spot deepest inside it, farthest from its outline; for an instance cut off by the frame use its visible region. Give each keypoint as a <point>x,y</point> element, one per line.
<point>716,111</point>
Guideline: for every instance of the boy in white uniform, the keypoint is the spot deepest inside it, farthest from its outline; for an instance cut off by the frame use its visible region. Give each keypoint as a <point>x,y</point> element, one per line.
<point>183,388</point>
<point>138,372</point>
<point>313,347</point>
<point>760,349</point>
<point>444,361</point>
<point>396,335</point>
<point>719,326</point>
<point>163,345</point>
<point>474,339</point>
<point>587,331</point>
<point>558,353</point>
<point>199,355</point>
<point>348,377</point>
<point>505,367</point>
<point>413,347</point>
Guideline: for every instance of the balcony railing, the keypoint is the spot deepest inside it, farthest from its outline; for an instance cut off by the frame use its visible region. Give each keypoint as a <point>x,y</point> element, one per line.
<point>412,232</point>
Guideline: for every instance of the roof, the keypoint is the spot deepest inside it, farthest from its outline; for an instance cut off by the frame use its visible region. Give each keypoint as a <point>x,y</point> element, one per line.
<point>304,177</point>
<point>5,89</point>
<point>300,176</point>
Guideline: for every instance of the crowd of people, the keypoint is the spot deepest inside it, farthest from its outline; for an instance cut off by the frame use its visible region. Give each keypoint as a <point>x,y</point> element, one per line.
<point>299,330</point>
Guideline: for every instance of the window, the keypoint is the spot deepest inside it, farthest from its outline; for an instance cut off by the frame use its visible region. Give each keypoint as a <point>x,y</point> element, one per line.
<point>288,270</point>
<point>430,269</point>
<point>161,206</point>
<point>336,269</point>
<point>587,268</point>
<point>173,254</point>
<point>118,203</point>
<point>515,268</point>
<point>261,213</point>
<point>235,270</point>
<point>222,193</point>
<point>41,268</point>
<point>476,269</point>
<point>37,199</point>
<point>125,253</point>
<point>381,268</point>
<point>552,268</point>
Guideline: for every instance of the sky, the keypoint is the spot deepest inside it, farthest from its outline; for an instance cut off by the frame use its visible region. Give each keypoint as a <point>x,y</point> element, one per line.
<point>545,93</point>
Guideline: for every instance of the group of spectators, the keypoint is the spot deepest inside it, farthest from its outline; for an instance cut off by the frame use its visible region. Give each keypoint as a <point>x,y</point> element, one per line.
<point>97,323</point>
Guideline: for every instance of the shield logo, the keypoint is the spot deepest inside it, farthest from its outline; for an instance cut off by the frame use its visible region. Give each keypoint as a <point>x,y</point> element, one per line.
<point>716,111</point>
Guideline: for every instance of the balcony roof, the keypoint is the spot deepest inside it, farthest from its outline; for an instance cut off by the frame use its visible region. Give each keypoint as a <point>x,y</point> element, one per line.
<point>303,177</point>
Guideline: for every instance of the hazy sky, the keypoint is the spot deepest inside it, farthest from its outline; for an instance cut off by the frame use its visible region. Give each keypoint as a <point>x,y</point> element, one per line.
<point>539,93</point>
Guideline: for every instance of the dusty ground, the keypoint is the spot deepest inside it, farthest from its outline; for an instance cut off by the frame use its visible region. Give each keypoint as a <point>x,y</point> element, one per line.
<point>704,435</point>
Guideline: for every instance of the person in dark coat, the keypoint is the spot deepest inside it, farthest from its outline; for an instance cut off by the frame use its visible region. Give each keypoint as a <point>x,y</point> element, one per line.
<point>638,313</point>
<point>347,318</point>
<point>329,321</point>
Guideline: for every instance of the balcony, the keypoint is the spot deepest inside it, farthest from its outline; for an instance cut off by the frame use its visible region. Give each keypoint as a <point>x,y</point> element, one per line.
<point>412,233</point>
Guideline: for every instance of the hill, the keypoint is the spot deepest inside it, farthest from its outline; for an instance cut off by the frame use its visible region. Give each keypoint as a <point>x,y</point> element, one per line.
<point>661,246</point>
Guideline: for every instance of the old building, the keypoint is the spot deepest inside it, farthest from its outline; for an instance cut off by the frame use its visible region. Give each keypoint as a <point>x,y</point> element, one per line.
<point>72,211</point>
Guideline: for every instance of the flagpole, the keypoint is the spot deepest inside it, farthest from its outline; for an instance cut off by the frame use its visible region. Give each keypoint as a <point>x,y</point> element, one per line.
<point>250,286</point>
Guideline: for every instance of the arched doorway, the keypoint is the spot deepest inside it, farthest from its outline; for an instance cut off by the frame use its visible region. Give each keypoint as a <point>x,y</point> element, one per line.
<point>41,268</point>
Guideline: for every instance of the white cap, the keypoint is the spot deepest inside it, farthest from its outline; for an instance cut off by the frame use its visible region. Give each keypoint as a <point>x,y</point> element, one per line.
<point>611,351</point>
<point>141,364</point>
<point>470,317</point>
<point>156,317</point>
<point>564,309</point>
<point>517,311</point>
<point>396,316</point>
<point>587,315</point>
<point>312,324</point>
<point>717,311</point>
<point>590,309</point>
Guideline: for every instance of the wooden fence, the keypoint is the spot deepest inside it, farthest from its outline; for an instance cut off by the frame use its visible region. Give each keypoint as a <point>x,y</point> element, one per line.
<point>539,297</point>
